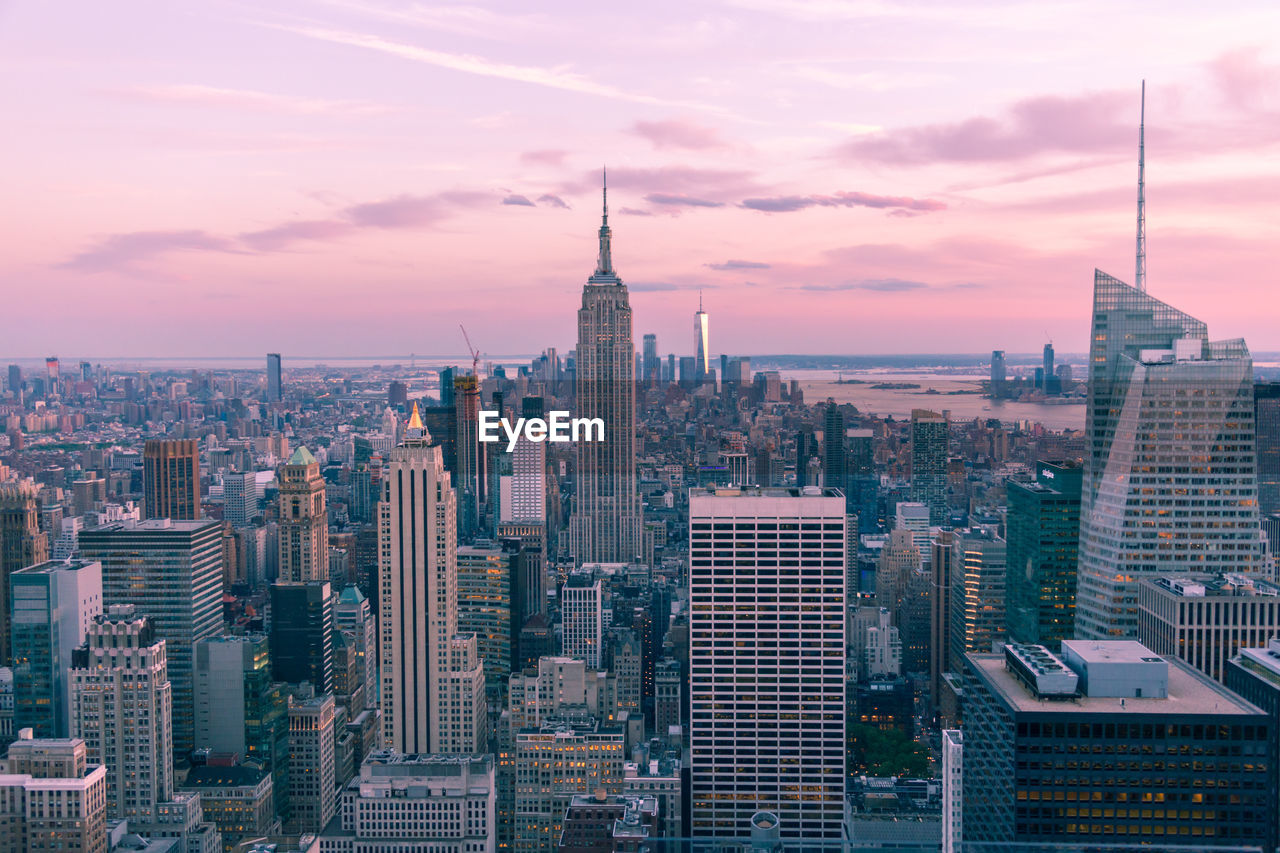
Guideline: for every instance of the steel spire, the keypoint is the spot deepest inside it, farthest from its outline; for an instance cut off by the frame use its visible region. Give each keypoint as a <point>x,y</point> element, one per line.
<point>604,266</point>
<point>1140,269</point>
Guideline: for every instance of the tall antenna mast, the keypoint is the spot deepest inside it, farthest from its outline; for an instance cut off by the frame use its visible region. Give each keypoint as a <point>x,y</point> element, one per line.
<point>1140,270</point>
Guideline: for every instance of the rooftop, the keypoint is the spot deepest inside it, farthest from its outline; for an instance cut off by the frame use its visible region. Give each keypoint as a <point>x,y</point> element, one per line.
<point>1190,691</point>
<point>1232,585</point>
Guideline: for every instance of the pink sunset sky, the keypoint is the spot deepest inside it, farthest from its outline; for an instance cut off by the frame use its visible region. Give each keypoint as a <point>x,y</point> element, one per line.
<point>349,177</point>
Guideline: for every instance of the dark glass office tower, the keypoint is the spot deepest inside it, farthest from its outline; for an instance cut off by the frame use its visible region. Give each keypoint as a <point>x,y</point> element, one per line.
<point>302,634</point>
<point>929,450</point>
<point>1043,531</point>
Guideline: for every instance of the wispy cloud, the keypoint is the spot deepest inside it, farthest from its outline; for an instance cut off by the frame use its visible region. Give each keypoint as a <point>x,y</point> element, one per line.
<point>122,249</point>
<point>125,251</point>
<point>462,19</point>
<point>660,286</point>
<point>677,133</point>
<point>1085,124</point>
<point>674,200</point>
<point>634,211</point>
<point>553,78</point>
<point>792,203</point>
<point>545,157</point>
<point>519,200</point>
<point>249,99</point>
<point>553,201</point>
<point>738,265</point>
<point>879,285</point>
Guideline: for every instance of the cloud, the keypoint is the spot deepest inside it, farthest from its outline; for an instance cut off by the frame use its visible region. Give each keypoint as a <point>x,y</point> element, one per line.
<point>462,19</point>
<point>675,133</point>
<point>792,203</point>
<point>279,237</point>
<point>675,200</point>
<point>683,180</point>
<point>634,211</point>
<point>1244,81</point>
<point>545,157</point>
<point>1085,124</point>
<point>123,250</point>
<point>651,286</point>
<point>879,285</point>
<point>552,78</point>
<point>662,286</point>
<point>738,265</point>
<point>553,201</point>
<point>518,200</point>
<point>249,99</point>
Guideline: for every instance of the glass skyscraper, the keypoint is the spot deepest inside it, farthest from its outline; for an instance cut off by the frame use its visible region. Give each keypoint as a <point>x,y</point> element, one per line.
<point>1043,529</point>
<point>1170,471</point>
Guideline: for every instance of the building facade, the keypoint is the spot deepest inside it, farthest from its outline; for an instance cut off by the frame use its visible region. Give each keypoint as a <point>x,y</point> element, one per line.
<point>304,520</point>
<point>1042,534</point>
<point>171,478</point>
<point>767,660</point>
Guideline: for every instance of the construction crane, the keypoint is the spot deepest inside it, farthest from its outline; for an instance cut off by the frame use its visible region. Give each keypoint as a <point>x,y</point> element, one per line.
<point>475,353</point>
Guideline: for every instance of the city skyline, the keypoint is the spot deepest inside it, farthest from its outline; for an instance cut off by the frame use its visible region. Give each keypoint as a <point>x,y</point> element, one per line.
<point>824,192</point>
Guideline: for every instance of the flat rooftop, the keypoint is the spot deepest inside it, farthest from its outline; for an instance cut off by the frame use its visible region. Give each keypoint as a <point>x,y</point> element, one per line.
<point>767,492</point>
<point>1111,651</point>
<point>1190,692</point>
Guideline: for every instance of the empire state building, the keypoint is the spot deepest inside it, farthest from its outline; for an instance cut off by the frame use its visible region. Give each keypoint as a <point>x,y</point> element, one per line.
<point>607,522</point>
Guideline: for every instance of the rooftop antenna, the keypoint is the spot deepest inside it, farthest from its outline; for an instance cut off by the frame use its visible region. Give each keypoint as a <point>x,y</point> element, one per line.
<point>1140,270</point>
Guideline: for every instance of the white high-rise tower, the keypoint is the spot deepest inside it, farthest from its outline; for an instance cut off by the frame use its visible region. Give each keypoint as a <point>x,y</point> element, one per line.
<point>607,522</point>
<point>701,343</point>
<point>432,681</point>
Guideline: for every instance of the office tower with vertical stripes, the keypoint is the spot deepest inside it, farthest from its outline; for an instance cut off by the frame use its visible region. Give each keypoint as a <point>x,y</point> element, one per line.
<point>767,658</point>
<point>606,526</point>
<point>171,478</point>
<point>432,681</point>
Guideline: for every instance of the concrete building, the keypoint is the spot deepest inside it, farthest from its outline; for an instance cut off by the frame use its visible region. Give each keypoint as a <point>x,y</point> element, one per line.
<point>563,757</point>
<point>657,773</point>
<point>53,605</point>
<point>599,823</point>
<point>582,615</point>
<point>432,688</point>
<point>240,500</point>
<point>1206,619</point>
<point>484,609</point>
<point>401,802</point>
<point>763,638</point>
<point>52,798</point>
<point>952,790</point>
<point>312,770</point>
<point>238,799</point>
<point>304,520</point>
<point>121,706</point>
<point>1031,718</point>
<point>22,544</point>
<point>353,614</point>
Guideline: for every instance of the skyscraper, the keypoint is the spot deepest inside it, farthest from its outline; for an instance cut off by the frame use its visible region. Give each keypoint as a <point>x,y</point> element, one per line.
<point>470,457</point>
<point>171,478</point>
<point>978,575</point>
<point>582,606</point>
<point>606,525</point>
<point>767,658</point>
<point>171,571</point>
<point>997,373</point>
<point>22,544</point>
<point>121,703</point>
<point>274,388</point>
<point>239,497</point>
<point>1170,470</point>
<point>834,453</point>
<point>302,634</point>
<point>701,343</point>
<point>353,613</point>
<point>929,449</point>
<point>304,520</point>
<point>432,687</point>
<point>650,362</point>
<point>1267,422</point>
<point>1049,374</point>
<point>54,604</point>
<point>1043,530</point>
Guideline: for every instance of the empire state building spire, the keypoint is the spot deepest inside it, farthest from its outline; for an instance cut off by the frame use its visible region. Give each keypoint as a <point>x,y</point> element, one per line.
<point>604,265</point>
